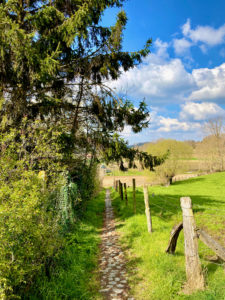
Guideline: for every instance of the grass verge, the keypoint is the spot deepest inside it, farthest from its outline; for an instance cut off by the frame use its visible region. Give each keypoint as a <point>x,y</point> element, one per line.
<point>153,274</point>
<point>73,274</point>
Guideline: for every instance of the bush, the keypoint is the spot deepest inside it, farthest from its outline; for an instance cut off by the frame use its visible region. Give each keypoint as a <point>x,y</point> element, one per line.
<point>28,232</point>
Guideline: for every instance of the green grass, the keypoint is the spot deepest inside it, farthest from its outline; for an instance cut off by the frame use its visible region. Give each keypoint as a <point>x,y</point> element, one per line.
<point>74,273</point>
<point>153,274</point>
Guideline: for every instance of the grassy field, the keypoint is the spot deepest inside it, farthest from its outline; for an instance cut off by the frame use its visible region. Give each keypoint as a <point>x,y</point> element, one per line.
<point>74,273</point>
<point>153,274</point>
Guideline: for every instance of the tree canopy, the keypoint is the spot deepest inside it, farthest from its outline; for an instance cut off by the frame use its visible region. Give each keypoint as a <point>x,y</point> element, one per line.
<point>55,60</point>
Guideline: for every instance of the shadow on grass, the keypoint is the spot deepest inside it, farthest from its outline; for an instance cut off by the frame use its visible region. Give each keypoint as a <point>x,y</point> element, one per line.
<point>167,207</point>
<point>189,181</point>
<point>212,267</point>
<point>132,268</point>
<point>164,206</point>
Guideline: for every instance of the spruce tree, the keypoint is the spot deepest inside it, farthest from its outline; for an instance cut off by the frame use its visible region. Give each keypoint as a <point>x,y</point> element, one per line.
<point>55,58</point>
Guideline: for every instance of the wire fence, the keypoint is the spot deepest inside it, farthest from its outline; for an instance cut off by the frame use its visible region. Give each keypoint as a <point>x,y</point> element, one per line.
<point>168,205</point>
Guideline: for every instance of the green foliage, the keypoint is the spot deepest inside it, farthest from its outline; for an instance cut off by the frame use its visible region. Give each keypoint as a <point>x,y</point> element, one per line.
<point>54,58</point>
<point>71,275</point>
<point>68,198</point>
<point>147,261</point>
<point>178,149</point>
<point>28,231</point>
<point>116,149</point>
<point>177,152</point>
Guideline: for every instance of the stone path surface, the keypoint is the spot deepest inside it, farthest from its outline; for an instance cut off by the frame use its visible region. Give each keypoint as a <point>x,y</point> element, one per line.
<point>114,284</point>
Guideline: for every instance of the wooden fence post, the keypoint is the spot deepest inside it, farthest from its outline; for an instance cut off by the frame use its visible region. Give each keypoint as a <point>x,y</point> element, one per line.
<point>121,190</point>
<point>134,194</point>
<point>195,279</point>
<point>116,187</point>
<point>125,193</point>
<point>147,209</point>
<point>119,183</point>
<point>211,243</point>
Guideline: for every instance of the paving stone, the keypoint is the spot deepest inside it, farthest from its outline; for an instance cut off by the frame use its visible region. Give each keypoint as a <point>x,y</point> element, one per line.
<point>104,290</point>
<point>117,291</point>
<point>112,264</point>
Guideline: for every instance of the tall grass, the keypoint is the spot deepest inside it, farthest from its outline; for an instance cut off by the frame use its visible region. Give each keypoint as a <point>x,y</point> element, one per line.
<point>153,274</point>
<point>73,273</point>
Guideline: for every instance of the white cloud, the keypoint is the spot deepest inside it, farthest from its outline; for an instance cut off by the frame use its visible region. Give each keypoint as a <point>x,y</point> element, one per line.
<point>165,127</point>
<point>173,124</point>
<point>162,80</point>
<point>210,84</point>
<point>181,46</point>
<point>205,34</point>
<point>161,48</point>
<point>200,111</point>
<point>127,131</point>
<point>159,78</point>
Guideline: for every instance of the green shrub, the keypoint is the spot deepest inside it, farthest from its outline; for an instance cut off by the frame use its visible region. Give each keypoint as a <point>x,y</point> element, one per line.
<point>28,231</point>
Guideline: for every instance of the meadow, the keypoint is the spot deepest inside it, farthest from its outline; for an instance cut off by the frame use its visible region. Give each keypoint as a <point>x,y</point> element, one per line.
<point>153,274</point>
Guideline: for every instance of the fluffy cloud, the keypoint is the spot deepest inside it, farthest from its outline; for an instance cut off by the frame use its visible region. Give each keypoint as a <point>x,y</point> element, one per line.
<point>161,48</point>
<point>171,124</point>
<point>205,34</point>
<point>210,84</point>
<point>181,46</point>
<point>200,111</point>
<point>162,81</point>
<point>158,78</point>
<point>161,123</point>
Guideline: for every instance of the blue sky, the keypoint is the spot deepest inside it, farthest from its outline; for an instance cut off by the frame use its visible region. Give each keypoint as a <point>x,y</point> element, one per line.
<point>183,79</point>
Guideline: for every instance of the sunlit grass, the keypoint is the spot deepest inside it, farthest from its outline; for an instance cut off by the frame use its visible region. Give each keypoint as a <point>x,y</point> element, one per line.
<point>153,274</point>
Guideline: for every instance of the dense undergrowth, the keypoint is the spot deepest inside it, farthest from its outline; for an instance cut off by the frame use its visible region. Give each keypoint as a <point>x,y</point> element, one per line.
<point>39,206</point>
<point>153,274</point>
<point>72,275</point>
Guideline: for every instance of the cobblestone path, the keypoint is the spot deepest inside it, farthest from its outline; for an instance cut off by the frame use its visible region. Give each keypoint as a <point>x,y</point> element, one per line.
<point>114,284</point>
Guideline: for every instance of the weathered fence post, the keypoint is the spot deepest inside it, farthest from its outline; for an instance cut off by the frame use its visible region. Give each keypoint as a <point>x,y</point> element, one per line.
<point>211,243</point>
<point>125,193</point>
<point>173,238</point>
<point>114,183</point>
<point>147,209</point>
<point>117,185</point>
<point>195,279</point>
<point>121,190</point>
<point>134,195</point>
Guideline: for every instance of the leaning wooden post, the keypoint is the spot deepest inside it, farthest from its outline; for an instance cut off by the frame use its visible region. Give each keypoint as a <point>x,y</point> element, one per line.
<point>134,195</point>
<point>195,279</point>
<point>125,193</point>
<point>147,209</point>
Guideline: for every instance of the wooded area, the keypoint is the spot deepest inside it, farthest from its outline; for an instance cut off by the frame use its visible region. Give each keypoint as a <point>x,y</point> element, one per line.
<point>58,120</point>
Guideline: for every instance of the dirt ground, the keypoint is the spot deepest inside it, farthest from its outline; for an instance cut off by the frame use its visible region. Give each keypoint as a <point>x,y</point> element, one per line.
<point>107,181</point>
